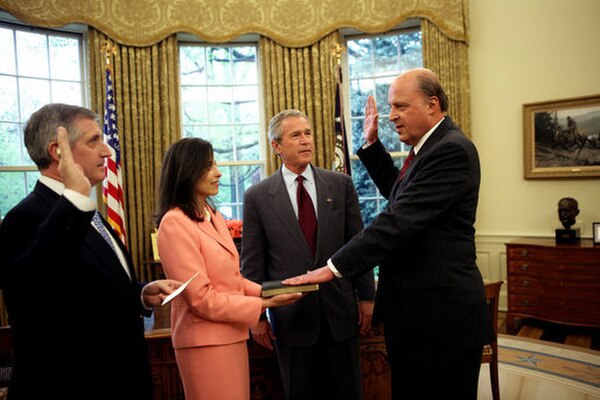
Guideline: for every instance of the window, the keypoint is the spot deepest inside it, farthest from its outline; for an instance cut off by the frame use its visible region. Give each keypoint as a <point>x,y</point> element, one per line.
<point>36,67</point>
<point>373,62</point>
<point>220,103</point>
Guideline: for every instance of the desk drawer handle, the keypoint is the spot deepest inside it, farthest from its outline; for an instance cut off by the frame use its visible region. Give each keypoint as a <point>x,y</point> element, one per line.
<point>524,267</point>
<point>524,253</point>
<point>525,283</point>
<point>526,303</point>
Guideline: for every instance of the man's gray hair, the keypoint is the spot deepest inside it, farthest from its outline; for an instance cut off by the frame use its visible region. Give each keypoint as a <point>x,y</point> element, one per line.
<point>275,132</point>
<point>43,124</point>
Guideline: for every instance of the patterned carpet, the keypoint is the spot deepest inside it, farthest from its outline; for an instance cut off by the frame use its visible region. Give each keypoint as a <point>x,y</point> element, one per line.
<point>540,370</point>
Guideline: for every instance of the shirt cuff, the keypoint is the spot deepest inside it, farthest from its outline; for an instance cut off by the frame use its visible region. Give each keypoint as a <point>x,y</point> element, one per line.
<point>333,269</point>
<point>83,203</point>
<point>367,144</point>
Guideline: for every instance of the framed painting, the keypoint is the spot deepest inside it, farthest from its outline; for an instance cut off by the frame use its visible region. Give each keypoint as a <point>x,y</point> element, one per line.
<point>561,138</point>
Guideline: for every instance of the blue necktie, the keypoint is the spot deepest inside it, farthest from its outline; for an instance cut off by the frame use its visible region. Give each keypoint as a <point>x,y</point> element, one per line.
<point>97,222</point>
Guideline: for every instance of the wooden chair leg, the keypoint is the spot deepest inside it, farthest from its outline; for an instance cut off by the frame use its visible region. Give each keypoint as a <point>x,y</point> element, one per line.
<point>494,372</point>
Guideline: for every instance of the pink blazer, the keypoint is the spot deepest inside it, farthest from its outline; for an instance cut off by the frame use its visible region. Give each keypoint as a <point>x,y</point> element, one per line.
<point>219,305</point>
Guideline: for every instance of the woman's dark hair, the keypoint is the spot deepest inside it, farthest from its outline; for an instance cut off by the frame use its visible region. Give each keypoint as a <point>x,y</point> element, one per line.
<point>186,161</point>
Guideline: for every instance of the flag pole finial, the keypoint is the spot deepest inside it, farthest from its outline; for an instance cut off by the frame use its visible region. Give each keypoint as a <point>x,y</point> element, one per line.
<point>336,50</point>
<point>108,50</point>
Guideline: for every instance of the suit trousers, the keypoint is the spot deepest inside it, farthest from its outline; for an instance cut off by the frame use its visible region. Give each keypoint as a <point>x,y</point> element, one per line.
<point>430,373</point>
<point>328,370</point>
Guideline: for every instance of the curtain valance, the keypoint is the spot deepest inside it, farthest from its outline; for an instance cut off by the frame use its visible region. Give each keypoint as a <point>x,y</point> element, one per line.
<point>292,23</point>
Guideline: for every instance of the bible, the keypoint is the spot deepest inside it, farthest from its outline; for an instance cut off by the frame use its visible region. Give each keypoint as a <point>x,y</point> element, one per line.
<point>273,288</point>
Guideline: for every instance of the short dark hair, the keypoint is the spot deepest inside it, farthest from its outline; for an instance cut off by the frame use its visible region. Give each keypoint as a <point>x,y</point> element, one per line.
<point>41,129</point>
<point>186,161</point>
<point>431,86</point>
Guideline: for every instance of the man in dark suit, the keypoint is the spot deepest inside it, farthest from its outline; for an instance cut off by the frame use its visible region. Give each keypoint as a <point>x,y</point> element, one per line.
<point>74,304</point>
<point>316,339</point>
<point>430,297</point>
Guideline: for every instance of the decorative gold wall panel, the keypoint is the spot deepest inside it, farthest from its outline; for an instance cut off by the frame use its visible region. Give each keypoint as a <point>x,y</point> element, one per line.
<point>293,23</point>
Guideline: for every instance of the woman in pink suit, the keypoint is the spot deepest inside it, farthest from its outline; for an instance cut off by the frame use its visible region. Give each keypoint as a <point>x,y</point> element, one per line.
<point>211,318</point>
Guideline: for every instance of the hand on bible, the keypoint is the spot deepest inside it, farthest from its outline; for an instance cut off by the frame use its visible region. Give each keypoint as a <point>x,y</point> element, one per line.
<point>319,275</point>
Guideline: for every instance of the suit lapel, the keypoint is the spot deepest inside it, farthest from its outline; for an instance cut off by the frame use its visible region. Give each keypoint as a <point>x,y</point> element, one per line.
<point>217,230</point>
<point>324,204</point>
<point>435,137</point>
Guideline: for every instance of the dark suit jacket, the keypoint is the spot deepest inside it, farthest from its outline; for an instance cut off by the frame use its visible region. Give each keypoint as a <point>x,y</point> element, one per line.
<point>274,248</point>
<point>76,316</point>
<point>430,290</point>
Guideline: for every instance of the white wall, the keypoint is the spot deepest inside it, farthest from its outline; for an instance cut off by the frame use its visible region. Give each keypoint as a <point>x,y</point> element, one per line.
<point>524,51</point>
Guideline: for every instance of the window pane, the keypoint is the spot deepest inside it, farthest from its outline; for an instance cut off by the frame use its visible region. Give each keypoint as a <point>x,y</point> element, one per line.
<point>247,143</point>
<point>8,99</point>
<point>7,49</point>
<point>244,65</point>
<point>32,54</point>
<point>200,131</point>
<point>411,51</point>
<point>192,65</point>
<point>219,104</point>
<point>360,58</point>
<point>66,92</point>
<point>10,145</point>
<point>234,182</point>
<point>64,58</point>
<point>386,55</point>
<point>245,104</point>
<point>13,190</point>
<point>221,138</point>
<point>218,65</point>
<point>34,94</point>
<point>194,105</point>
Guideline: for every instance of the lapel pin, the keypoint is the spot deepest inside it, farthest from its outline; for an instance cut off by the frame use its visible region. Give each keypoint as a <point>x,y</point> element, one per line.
<point>328,200</point>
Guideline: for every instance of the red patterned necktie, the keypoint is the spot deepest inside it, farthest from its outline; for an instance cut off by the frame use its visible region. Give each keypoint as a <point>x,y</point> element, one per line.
<point>306,215</point>
<point>407,160</point>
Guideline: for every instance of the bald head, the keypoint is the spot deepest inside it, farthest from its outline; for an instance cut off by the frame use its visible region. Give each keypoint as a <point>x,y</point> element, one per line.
<point>417,103</point>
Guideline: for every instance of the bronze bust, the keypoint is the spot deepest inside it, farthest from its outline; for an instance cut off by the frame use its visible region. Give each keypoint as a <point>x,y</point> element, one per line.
<point>568,209</point>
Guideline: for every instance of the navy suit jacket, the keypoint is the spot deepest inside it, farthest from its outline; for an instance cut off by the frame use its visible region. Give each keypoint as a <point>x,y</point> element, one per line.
<point>274,248</point>
<point>430,290</point>
<point>76,317</point>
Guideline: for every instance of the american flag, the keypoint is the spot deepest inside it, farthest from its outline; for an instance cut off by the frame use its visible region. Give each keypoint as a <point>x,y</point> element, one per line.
<point>341,160</point>
<point>112,187</point>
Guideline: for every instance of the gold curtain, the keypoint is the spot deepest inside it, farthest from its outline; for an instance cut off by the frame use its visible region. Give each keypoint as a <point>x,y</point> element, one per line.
<point>304,79</point>
<point>146,89</point>
<point>289,22</point>
<point>449,59</point>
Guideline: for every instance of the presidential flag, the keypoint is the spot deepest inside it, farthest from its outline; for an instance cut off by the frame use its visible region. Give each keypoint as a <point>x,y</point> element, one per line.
<point>112,187</point>
<point>341,161</point>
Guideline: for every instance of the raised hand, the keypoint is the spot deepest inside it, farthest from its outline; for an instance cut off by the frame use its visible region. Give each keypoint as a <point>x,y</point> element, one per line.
<point>371,121</point>
<point>70,172</point>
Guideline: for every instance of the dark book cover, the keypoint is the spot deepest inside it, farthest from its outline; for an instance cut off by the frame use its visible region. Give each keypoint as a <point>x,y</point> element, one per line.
<point>273,288</point>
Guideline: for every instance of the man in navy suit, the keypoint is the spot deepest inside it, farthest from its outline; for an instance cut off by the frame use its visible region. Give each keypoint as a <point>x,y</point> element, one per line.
<point>316,339</point>
<point>74,304</point>
<point>430,297</point>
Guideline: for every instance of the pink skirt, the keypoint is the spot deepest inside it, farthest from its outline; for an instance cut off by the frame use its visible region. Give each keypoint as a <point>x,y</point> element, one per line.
<point>215,372</point>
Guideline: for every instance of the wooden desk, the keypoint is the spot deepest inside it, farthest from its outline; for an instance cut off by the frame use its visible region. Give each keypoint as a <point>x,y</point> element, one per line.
<point>553,282</point>
<point>265,382</point>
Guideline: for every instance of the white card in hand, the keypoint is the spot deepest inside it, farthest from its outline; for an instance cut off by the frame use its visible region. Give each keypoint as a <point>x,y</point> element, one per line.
<point>178,291</point>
